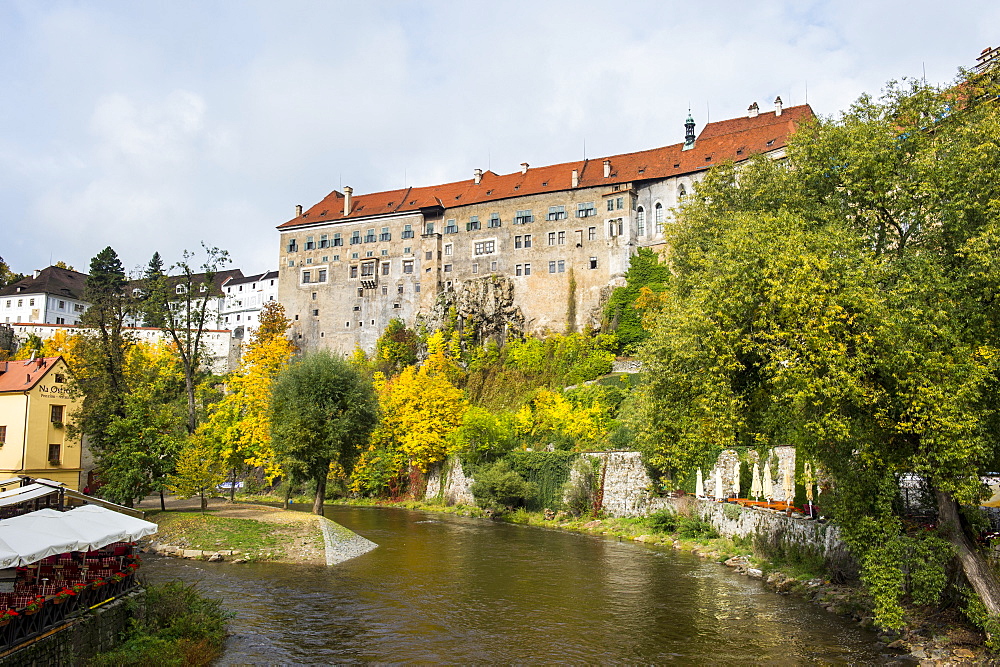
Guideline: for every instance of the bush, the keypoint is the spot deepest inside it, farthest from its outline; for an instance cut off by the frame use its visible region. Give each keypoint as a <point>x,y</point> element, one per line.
<point>177,626</point>
<point>663,521</point>
<point>499,488</point>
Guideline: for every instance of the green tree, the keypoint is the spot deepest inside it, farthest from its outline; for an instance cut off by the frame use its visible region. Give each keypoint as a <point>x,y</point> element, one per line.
<point>199,470</point>
<point>8,277</point>
<point>621,312</point>
<point>397,347</point>
<point>322,412</point>
<point>845,306</point>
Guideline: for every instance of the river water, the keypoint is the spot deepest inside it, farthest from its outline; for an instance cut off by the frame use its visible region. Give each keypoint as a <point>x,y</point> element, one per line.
<point>447,589</point>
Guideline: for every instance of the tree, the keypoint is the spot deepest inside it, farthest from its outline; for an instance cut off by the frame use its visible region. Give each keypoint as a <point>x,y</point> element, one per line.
<point>183,304</point>
<point>63,265</point>
<point>621,312</point>
<point>322,412</point>
<point>199,469</point>
<point>153,281</point>
<point>8,277</point>
<point>240,423</point>
<point>100,373</point>
<point>845,306</point>
<point>397,347</point>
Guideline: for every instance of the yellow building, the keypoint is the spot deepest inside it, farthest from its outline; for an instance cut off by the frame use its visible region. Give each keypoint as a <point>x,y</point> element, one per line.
<point>35,403</point>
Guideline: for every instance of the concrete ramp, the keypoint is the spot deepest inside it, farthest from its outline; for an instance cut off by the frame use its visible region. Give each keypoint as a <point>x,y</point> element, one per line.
<point>342,544</point>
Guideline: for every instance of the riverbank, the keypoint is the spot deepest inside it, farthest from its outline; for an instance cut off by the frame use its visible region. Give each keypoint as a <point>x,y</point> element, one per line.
<point>932,637</point>
<point>240,532</point>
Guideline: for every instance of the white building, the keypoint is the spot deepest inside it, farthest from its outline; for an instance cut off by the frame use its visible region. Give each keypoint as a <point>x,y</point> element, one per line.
<point>50,296</point>
<point>217,348</point>
<point>245,296</point>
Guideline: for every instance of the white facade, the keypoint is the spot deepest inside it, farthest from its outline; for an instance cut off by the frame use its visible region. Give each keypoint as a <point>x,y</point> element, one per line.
<point>53,295</point>
<point>216,344</point>
<point>243,300</point>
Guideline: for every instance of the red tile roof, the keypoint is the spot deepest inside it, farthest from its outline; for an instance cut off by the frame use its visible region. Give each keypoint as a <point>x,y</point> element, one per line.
<point>735,139</point>
<point>23,375</point>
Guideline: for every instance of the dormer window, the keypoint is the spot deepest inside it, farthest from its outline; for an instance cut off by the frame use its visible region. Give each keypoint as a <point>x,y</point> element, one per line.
<point>180,289</point>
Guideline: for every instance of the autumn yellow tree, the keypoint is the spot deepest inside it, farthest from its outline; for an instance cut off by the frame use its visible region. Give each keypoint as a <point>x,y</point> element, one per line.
<point>240,426</point>
<point>550,418</point>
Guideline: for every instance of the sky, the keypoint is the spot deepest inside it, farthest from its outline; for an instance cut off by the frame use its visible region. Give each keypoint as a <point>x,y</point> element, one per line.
<point>162,125</point>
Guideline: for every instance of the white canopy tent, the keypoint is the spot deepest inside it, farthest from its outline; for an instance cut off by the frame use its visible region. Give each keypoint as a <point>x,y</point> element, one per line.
<point>31,537</point>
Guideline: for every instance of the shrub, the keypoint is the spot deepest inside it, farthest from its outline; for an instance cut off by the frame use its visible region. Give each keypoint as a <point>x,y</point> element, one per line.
<point>663,521</point>
<point>578,492</point>
<point>499,488</point>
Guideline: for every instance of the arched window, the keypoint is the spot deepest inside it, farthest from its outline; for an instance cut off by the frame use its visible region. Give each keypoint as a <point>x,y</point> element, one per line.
<point>658,217</point>
<point>640,221</point>
<point>681,193</point>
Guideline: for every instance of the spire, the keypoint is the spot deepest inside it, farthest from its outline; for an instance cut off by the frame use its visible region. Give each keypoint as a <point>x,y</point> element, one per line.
<point>689,131</point>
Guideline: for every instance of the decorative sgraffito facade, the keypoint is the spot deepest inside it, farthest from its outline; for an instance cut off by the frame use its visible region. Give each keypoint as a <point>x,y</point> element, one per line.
<point>537,250</point>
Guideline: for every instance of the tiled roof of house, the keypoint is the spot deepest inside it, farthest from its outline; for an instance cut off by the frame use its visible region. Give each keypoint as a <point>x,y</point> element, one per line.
<point>24,375</point>
<point>52,280</point>
<point>736,139</point>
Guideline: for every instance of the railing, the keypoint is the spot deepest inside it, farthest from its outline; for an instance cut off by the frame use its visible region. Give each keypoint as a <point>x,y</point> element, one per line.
<point>25,625</point>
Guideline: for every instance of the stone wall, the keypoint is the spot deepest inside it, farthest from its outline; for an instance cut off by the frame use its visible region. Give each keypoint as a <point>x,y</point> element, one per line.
<point>447,482</point>
<point>80,639</point>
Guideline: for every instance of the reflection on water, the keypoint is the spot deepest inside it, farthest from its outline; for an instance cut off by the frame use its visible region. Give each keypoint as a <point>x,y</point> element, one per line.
<point>449,589</point>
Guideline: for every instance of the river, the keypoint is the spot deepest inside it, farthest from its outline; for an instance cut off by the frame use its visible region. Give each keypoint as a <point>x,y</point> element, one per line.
<point>447,589</point>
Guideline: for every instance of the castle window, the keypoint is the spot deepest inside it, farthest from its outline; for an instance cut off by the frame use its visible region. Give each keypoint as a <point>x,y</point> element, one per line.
<point>591,233</point>
<point>518,269</point>
<point>408,266</point>
<point>367,269</point>
<point>447,268</point>
<point>338,239</point>
<point>321,276</point>
<point>306,277</point>
<point>527,240</point>
<point>494,220</point>
<point>620,203</point>
<point>315,312</point>
<point>681,192</point>
<point>473,224</point>
<point>385,235</point>
<point>524,217</point>
<point>552,238</point>
<point>399,289</point>
<point>556,213</point>
<point>310,244</point>
<point>527,269</point>
<point>416,287</point>
<point>518,242</point>
<point>354,271</point>
<point>370,236</point>
<point>561,264</point>
<point>449,248</point>
<point>658,217</point>
<point>385,268</point>
<point>292,247</point>
<point>562,238</point>
<point>493,266</point>
<point>485,247</point>
<point>361,291</point>
<point>451,227</point>
<point>385,290</point>
<point>585,209</point>
<point>356,237</point>
<point>593,262</point>
<point>407,231</point>
<point>475,267</point>
<point>611,204</point>
<point>640,221</point>
<point>552,267</point>
<point>429,228</point>
<point>324,240</point>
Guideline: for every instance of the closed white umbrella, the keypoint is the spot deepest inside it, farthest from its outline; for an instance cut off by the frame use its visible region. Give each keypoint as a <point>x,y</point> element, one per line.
<point>699,485</point>
<point>718,483</point>
<point>768,488</point>
<point>736,479</point>
<point>756,490</point>
<point>788,486</point>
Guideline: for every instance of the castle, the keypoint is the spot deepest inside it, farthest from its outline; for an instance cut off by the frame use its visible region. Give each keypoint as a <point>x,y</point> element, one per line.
<point>535,250</point>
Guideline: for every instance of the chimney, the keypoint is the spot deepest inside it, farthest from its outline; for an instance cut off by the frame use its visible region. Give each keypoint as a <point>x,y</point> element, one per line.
<point>36,272</point>
<point>576,178</point>
<point>524,167</point>
<point>777,106</point>
<point>607,169</point>
<point>753,111</point>
<point>298,210</point>
<point>478,176</point>
<point>347,200</point>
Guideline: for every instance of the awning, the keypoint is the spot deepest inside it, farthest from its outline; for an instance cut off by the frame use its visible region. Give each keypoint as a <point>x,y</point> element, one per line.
<point>25,493</point>
<point>31,537</point>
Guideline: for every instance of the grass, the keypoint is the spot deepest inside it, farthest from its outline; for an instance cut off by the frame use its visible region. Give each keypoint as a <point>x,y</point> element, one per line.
<point>255,540</point>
